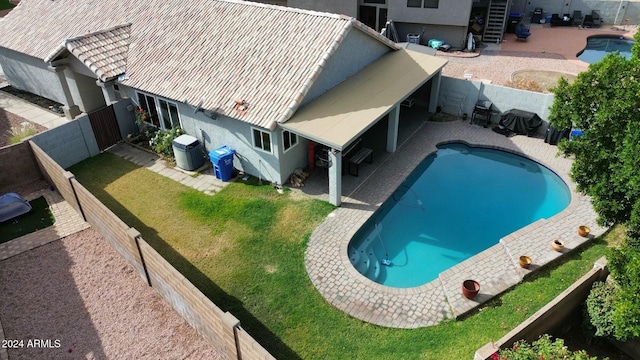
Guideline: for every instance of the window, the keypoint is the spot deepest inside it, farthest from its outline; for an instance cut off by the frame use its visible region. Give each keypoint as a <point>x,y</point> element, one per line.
<point>374,1</point>
<point>431,4</point>
<point>162,113</point>
<point>169,112</point>
<point>262,140</point>
<point>289,140</point>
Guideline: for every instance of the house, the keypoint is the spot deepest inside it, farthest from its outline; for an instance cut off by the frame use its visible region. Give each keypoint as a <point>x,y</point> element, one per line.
<point>452,21</point>
<point>449,21</point>
<point>262,79</point>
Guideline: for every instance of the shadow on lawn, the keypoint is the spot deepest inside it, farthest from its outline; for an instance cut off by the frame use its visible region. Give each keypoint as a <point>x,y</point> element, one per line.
<point>211,290</point>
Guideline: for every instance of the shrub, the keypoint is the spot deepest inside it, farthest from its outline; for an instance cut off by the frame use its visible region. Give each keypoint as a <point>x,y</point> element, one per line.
<point>599,310</point>
<point>19,133</point>
<point>543,348</point>
<point>147,132</point>
<point>162,142</point>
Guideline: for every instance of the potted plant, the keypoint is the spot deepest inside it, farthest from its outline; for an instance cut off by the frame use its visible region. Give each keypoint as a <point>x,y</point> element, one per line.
<point>557,244</point>
<point>524,261</point>
<point>470,288</point>
<point>583,231</point>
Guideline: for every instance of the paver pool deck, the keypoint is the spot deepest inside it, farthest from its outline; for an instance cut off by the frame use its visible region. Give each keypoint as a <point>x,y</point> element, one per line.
<point>496,269</point>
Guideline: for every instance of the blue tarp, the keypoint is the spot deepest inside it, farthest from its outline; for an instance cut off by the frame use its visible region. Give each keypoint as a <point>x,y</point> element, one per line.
<point>12,205</point>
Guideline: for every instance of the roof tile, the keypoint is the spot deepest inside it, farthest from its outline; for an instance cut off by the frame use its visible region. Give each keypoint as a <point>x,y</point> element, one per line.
<point>214,50</point>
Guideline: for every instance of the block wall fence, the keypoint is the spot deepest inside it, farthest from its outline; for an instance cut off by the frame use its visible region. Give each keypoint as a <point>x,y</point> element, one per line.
<point>220,329</point>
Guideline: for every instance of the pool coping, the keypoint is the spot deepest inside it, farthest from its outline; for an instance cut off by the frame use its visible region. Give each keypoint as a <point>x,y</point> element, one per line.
<point>496,269</point>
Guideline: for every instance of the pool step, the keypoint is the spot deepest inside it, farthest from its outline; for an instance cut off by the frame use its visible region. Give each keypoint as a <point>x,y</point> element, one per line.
<point>365,261</point>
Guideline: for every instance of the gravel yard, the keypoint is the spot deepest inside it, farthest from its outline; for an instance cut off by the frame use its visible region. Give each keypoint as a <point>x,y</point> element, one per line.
<point>86,301</point>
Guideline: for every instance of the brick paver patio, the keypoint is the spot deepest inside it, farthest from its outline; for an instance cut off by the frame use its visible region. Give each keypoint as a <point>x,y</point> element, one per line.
<point>496,269</point>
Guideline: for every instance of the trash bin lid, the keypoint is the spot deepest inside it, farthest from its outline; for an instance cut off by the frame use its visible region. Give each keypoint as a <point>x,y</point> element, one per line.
<point>221,152</point>
<point>185,140</point>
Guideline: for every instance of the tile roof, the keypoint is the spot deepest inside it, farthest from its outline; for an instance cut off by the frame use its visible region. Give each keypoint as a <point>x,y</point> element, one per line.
<point>214,51</point>
<point>104,52</point>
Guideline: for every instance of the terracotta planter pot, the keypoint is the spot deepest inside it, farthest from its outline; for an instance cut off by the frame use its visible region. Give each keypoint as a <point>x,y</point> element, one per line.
<point>470,288</point>
<point>583,231</point>
<point>557,245</point>
<point>524,261</point>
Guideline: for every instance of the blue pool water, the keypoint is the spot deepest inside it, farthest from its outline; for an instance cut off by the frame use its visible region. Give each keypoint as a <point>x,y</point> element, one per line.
<point>457,203</point>
<point>599,46</point>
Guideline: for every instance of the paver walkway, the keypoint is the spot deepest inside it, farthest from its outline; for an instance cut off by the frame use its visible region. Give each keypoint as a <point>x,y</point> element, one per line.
<point>204,180</point>
<point>496,269</point>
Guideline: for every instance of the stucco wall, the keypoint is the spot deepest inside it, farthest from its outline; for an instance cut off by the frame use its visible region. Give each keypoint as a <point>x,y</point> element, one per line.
<point>295,157</point>
<point>86,94</point>
<point>356,52</point>
<point>452,13</point>
<point>345,7</point>
<point>226,131</point>
<point>30,74</point>
<point>454,35</point>
<point>125,117</point>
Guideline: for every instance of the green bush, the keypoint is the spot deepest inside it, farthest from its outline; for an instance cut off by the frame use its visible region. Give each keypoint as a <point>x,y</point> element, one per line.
<point>543,348</point>
<point>599,310</point>
<point>162,142</point>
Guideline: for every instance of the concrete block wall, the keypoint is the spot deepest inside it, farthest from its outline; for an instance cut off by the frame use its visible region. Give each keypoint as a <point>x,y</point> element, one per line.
<point>55,174</point>
<point>18,166</point>
<point>458,95</point>
<point>69,143</point>
<point>249,348</point>
<point>214,325</point>
<point>552,315</point>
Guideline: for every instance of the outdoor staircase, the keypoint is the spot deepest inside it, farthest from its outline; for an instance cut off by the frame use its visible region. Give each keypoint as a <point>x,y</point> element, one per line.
<point>496,20</point>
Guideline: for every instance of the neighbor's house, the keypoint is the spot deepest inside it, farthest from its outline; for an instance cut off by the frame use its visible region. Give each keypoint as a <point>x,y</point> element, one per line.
<point>450,21</point>
<point>262,79</point>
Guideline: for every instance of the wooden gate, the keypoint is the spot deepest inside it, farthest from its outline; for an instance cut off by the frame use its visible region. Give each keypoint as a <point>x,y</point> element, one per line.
<point>105,127</point>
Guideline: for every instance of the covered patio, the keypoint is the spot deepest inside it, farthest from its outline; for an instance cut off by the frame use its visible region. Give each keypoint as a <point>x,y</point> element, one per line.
<point>353,112</point>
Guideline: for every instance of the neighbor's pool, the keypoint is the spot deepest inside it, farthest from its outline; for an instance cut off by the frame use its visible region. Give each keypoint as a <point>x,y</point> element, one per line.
<point>456,203</point>
<point>600,45</point>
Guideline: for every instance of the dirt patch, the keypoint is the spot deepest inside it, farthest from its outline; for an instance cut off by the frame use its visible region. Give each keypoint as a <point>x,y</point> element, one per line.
<point>8,121</point>
<point>538,80</point>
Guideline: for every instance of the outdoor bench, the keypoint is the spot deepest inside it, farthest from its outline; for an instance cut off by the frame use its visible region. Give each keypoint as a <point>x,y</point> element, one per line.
<point>355,160</point>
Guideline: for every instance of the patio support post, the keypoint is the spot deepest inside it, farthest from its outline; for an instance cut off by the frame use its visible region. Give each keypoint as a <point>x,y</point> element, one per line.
<point>435,92</point>
<point>392,129</point>
<point>107,91</point>
<point>335,177</point>
<point>70,109</point>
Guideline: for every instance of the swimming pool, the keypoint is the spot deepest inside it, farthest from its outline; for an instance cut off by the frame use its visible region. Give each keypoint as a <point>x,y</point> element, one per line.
<point>455,204</point>
<point>600,45</point>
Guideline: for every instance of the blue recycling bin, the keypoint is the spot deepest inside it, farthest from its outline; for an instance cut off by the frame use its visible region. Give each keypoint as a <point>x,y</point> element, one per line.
<point>222,159</point>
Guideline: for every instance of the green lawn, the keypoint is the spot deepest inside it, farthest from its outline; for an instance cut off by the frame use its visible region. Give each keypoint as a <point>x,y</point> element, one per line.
<point>5,4</point>
<point>244,248</point>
